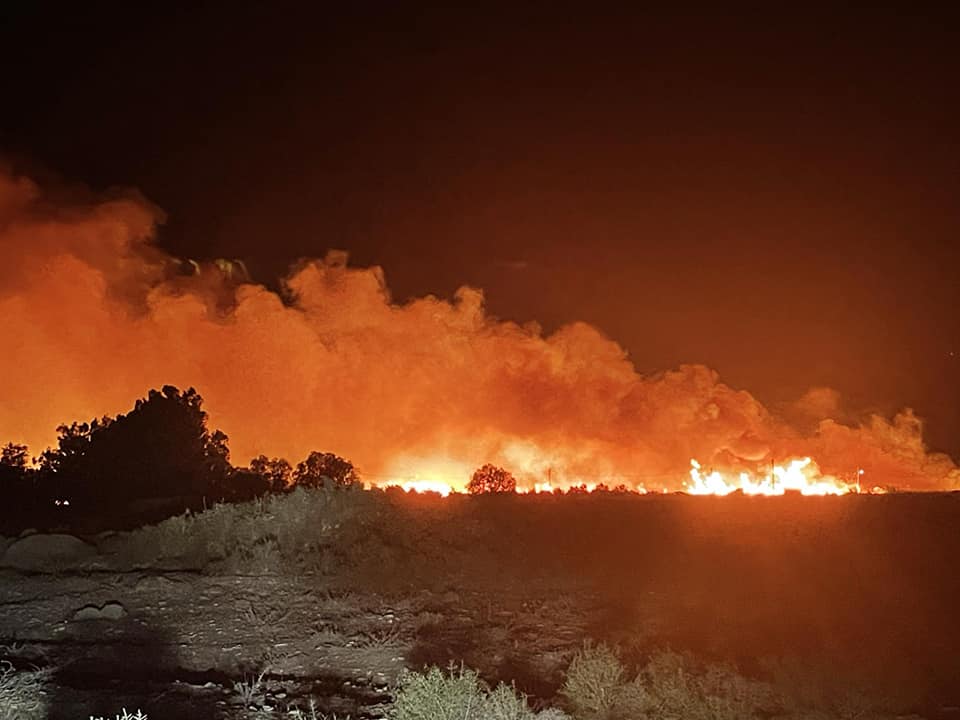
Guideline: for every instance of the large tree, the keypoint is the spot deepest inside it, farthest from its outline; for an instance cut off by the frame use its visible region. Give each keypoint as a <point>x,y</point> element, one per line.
<point>162,448</point>
<point>491,479</point>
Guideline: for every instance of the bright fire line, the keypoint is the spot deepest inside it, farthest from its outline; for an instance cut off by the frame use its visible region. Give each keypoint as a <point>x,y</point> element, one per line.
<point>798,475</point>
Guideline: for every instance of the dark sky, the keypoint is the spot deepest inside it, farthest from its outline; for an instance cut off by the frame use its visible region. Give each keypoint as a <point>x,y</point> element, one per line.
<point>774,196</point>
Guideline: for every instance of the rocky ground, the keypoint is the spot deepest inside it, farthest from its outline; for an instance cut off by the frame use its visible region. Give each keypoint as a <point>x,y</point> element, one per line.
<point>256,611</point>
<point>174,641</point>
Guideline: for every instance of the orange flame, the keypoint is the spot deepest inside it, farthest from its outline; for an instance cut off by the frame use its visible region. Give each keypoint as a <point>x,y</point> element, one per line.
<point>800,475</point>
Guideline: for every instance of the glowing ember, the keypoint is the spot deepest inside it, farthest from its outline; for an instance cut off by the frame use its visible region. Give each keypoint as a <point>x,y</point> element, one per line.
<point>799,475</point>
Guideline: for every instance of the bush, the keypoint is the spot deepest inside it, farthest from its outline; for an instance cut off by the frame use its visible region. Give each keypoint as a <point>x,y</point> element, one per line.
<point>668,687</point>
<point>434,695</point>
<point>673,687</point>
<point>459,694</point>
<point>594,680</point>
<point>504,703</point>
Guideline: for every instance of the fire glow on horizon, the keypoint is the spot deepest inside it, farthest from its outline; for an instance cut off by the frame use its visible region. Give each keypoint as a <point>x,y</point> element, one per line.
<point>798,475</point>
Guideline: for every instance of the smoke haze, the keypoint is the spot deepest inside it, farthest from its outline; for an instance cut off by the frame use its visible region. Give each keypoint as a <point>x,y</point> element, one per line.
<point>92,315</point>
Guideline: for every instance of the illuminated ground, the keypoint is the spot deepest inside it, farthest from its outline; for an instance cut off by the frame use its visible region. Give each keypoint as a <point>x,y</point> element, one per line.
<point>840,591</point>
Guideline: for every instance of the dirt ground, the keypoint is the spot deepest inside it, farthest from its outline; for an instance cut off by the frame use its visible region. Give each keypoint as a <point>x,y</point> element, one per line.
<point>185,639</point>
<point>863,588</point>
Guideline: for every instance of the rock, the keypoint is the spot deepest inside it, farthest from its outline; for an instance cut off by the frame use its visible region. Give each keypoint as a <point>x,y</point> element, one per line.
<point>43,552</point>
<point>108,611</point>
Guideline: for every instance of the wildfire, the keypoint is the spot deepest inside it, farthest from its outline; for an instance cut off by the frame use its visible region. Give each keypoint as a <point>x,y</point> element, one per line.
<point>432,473</point>
<point>318,367</point>
<point>423,486</point>
<point>799,475</point>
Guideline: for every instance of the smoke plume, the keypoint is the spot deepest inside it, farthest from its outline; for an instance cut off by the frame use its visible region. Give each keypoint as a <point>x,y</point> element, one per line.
<point>92,315</point>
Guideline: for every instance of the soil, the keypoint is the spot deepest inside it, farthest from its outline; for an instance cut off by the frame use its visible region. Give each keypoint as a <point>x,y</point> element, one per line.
<point>733,579</point>
<point>186,639</point>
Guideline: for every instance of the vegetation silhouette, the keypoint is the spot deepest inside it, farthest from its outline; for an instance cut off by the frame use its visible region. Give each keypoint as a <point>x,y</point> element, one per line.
<point>16,475</point>
<point>320,469</point>
<point>161,448</point>
<point>277,473</point>
<point>155,461</point>
<point>491,479</point>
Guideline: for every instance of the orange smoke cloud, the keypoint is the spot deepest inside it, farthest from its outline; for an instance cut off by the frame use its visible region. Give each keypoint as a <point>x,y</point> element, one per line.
<point>92,317</point>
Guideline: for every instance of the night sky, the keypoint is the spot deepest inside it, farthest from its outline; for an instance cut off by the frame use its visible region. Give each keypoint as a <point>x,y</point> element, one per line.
<point>773,196</point>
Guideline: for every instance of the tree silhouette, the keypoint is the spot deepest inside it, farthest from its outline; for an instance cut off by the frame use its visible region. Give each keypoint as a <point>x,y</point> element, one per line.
<point>264,475</point>
<point>15,479</point>
<point>491,479</point>
<point>276,472</point>
<point>14,457</point>
<point>320,466</point>
<point>162,448</point>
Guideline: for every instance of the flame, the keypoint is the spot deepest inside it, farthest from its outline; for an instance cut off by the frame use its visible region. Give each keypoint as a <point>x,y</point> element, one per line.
<point>435,473</point>
<point>543,487</point>
<point>798,475</point>
<point>423,486</point>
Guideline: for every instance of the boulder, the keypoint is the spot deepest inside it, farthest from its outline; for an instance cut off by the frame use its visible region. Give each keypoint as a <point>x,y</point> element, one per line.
<point>107,611</point>
<point>47,551</point>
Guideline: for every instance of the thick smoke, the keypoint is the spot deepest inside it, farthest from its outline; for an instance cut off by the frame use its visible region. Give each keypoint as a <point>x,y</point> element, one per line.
<point>92,315</point>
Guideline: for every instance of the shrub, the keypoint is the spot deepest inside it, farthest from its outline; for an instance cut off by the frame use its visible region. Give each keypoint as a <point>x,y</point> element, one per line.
<point>434,695</point>
<point>593,681</point>
<point>675,688</point>
<point>504,703</point>
<point>459,694</point>
<point>668,687</point>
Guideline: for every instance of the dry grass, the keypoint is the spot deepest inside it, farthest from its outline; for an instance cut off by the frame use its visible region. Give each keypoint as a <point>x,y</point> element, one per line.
<point>291,531</point>
<point>23,692</point>
<point>672,686</point>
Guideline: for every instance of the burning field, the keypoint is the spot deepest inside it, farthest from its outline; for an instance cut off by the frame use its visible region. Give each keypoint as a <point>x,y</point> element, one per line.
<point>419,393</point>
